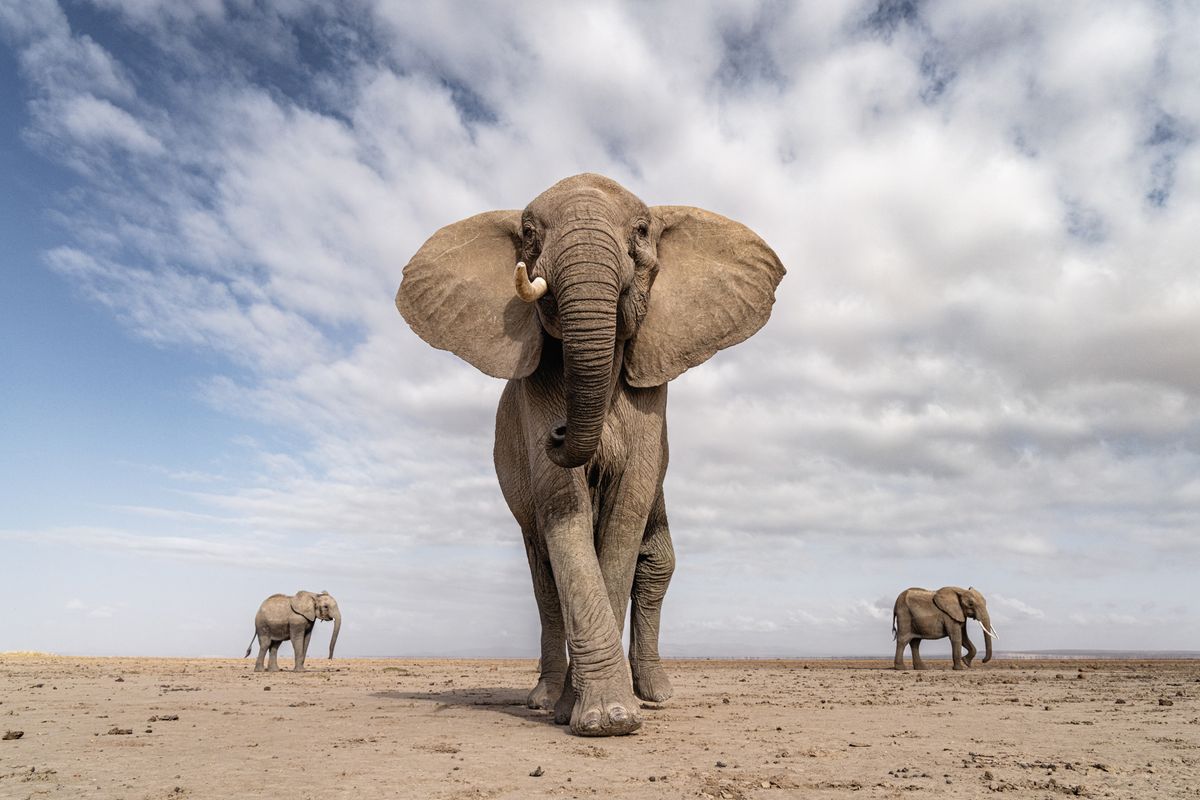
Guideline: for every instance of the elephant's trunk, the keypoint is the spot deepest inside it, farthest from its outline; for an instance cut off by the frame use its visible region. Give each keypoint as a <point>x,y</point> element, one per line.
<point>989,633</point>
<point>337,626</point>
<point>587,290</point>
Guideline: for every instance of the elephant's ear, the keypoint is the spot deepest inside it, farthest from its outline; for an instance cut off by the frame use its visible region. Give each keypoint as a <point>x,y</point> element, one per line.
<point>458,294</point>
<point>305,605</point>
<point>947,600</point>
<point>714,288</point>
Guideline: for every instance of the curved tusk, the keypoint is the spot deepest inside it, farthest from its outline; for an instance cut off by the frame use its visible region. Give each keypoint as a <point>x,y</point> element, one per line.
<point>528,290</point>
<point>991,632</point>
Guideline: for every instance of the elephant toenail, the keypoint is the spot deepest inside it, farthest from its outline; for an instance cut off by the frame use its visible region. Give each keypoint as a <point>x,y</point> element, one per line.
<point>618,714</point>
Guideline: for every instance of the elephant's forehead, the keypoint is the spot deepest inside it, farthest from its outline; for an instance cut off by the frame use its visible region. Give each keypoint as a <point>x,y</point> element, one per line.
<point>602,191</point>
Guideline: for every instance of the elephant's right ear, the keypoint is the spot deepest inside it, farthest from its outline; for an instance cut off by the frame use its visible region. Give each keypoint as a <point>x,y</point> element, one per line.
<point>947,600</point>
<point>457,294</point>
<point>304,605</point>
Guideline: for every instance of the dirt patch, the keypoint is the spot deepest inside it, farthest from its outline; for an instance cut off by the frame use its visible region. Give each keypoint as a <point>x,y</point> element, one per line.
<point>736,729</point>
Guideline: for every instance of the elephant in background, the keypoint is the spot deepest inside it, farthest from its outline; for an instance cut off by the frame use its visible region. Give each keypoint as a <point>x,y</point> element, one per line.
<point>588,302</point>
<point>921,614</point>
<point>283,618</point>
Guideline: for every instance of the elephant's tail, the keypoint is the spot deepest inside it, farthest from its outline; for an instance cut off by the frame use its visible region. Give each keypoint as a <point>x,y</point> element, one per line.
<point>894,617</point>
<point>250,646</point>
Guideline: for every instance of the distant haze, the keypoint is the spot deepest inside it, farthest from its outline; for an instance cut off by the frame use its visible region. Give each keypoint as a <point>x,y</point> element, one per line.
<point>983,368</point>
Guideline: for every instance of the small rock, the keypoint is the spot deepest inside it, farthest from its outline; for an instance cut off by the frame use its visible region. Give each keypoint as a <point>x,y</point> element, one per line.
<point>1162,701</point>
<point>1119,701</point>
<point>538,772</point>
<point>765,784</point>
<point>859,744</point>
<point>987,775</point>
<point>12,735</point>
<point>722,764</point>
<point>653,779</point>
<point>266,688</point>
<point>168,717</point>
<point>119,680</point>
<point>120,731</point>
<point>725,700</point>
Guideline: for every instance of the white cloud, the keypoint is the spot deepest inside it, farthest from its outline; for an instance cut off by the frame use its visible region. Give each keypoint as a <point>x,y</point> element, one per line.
<point>983,357</point>
<point>1014,607</point>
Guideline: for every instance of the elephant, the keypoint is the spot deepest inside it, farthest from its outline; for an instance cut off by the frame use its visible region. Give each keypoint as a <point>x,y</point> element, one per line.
<point>921,614</point>
<point>283,618</point>
<point>588,302</point>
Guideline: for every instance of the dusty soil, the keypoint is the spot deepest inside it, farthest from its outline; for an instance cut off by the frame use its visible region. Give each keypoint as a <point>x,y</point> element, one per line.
<point>459,729</point>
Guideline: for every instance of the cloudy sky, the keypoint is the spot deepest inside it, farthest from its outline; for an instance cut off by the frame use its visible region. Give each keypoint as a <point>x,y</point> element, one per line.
<point>983,367</point>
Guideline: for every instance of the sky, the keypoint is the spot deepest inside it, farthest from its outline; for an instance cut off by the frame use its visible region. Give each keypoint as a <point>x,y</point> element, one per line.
<point>982,368</point>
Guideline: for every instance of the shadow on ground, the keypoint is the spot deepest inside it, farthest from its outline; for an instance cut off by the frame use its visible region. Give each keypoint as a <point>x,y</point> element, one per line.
<point>506,700</point>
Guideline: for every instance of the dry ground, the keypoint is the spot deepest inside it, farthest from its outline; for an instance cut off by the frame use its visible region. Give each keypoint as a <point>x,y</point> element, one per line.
<point>458,729</point>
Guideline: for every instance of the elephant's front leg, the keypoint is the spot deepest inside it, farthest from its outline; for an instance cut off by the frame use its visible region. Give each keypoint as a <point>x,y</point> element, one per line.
<point>604,701</point>
<point>956,646</point>
<point>967,643</point>
<point>655,565</point>
<point>298,636</point>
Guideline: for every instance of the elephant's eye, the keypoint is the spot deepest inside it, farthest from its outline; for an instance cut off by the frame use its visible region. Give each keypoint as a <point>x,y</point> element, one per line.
<point>642,229</point>
<point>528,233</point>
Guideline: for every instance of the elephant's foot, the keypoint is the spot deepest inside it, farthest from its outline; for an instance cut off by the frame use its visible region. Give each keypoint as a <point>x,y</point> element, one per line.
<point>259,668</point>
<point>650,681</point>
<point>605,707</point>
<point>958,667</point>
<point>920,665</point>
<point>967,661</point>
<point>899,665</point>
<point>565,704</point>
<point>546,693</point>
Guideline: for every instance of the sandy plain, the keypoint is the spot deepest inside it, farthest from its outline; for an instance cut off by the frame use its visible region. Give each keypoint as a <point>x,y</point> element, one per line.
<point>359,728</point>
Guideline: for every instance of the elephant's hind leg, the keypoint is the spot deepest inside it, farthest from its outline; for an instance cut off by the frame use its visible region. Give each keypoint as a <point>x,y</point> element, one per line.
<point>273,663</point>
<point>655,565</point>
<point>916,654</point>
<point>264,644</point>
<point>901,643</point>
<point>553,664</point>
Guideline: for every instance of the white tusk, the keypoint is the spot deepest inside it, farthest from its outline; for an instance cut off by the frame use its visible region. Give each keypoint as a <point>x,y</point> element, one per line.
<point>528,290</point>
<point>991,633</point>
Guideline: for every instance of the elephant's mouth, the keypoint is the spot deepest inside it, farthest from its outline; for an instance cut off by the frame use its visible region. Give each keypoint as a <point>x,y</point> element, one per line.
<point>557,437</point>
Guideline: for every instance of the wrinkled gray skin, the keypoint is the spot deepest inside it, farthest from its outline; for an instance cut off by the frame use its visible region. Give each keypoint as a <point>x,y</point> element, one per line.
<point>636,295</point>
<point>922,614</point>
<point>283,618</point>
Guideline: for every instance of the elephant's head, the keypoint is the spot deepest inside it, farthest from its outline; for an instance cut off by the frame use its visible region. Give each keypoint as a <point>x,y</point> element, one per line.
<point>651,291</point>
<point>961,604</point>
<point>319,606</point>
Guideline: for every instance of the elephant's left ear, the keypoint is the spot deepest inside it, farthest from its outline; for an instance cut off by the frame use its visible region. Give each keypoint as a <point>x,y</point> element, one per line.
<point>304,605</point>
<point>947,600</point>
<point>714,288</point>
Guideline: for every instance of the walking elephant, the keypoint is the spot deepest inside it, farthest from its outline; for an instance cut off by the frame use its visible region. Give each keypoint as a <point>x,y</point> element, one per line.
<point>922,614</point>
<point>589,302</point>
<point>283,618</point>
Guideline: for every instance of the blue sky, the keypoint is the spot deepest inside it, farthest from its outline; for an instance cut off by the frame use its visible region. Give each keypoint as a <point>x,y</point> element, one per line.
<point>981,369</point>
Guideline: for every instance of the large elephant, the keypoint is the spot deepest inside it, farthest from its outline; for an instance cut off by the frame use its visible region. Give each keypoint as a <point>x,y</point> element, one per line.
<point>922,614</point>
<point>283,618</point>
<point>588,302</point>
